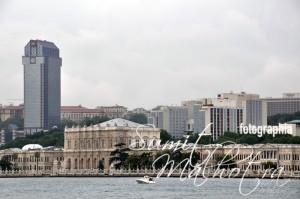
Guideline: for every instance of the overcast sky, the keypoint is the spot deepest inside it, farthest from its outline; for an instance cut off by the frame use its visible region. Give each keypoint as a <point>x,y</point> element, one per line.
<point>145,53</point>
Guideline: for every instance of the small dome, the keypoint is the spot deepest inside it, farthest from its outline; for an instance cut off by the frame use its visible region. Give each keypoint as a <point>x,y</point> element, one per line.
<point>31,147</point>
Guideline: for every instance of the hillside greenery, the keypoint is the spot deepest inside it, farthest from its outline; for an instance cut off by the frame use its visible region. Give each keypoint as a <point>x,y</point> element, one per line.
<point>50,138</point>
<point>254,139</point>
<point>282,118</point>
<point>5,125</point>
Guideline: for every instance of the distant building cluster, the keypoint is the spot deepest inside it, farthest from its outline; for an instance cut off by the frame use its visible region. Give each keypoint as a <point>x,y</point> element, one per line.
<point>42,108</point>
<point>86,147</point>
<point>225,112</point>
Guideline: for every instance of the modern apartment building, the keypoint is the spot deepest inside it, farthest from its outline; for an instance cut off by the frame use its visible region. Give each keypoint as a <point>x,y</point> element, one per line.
<point>254,109</point>
<point>42,92</point>
<point>156,118</point>
<point>226,112</point>
<point>11,111</point>
<point>255,112</point>
<point>173,119</point>
<point>196,118</point>
<point>289,103</point>
<point>222,119</point>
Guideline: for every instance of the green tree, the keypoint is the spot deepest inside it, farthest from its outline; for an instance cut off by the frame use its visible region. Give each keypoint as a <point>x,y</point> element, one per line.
<point>5,164</point>
<point>165,136</point>
<point>143,160</point>
<point>249,139</point>
<point>119,156</point>
<point>133,162</point>
<point>94,120</point>
<point>67,123</point>
<point>101,165</point>
<point>282,118</point>
<point>138,118</point>
<point>50,138</point>
<point>205,139</point>
<point>269,165</point>
<point>146,160</point>
<point>19,122</point>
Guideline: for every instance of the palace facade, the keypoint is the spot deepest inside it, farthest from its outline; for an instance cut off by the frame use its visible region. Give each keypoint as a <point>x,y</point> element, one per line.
<point>258,155</point>
<point>87,147</point>
<point>34,158</point>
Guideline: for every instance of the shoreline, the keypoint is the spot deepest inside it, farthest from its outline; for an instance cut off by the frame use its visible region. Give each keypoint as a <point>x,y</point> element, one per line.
<point>134,176</point>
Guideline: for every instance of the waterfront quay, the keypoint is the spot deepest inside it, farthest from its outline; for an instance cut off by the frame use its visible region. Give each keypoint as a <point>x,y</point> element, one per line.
<point>226,173</point>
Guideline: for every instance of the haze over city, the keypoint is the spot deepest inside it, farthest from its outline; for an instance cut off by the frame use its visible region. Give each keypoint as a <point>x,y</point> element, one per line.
<point>146,53</point>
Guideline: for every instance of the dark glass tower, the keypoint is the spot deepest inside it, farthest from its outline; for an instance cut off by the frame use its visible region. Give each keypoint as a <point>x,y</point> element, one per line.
<point>42,68</point>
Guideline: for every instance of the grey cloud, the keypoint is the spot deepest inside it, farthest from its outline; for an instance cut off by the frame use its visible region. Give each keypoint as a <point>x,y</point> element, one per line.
<point>144,53</point>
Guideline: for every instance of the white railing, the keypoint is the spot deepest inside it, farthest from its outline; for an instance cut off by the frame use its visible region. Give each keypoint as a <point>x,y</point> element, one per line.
<point>132,172</point>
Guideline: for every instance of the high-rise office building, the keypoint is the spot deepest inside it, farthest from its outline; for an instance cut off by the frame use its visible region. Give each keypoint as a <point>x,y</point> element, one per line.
<point>42,94</point>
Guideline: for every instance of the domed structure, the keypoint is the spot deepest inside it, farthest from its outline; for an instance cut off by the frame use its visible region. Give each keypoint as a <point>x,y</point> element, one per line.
<point>31,147</point>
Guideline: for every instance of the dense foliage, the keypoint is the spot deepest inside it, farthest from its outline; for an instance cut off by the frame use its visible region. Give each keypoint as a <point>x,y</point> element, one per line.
<point>282,118</point>
<point>205,139</point>
<point>138,118</point>
<point>19,122</point>
<point>165,136</point>
<point>269,165</point>
<point>146,159</point>
<point>119,156</point>
<point>51,138</point>
<point>85,122</point>
<point>254,139</point>
<point>5,164</point>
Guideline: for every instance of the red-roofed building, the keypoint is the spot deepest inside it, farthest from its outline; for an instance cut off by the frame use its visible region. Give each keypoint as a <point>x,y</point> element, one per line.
<point>78,113</point>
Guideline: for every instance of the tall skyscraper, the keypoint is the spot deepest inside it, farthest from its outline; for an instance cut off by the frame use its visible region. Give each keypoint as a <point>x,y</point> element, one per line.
<point>42,68</point>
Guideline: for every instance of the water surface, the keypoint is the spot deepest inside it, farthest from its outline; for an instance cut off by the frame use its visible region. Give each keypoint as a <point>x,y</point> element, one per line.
<point>125,188</point>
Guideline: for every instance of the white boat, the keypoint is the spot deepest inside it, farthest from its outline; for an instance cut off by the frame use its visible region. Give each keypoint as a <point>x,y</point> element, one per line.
<point>145,180</point>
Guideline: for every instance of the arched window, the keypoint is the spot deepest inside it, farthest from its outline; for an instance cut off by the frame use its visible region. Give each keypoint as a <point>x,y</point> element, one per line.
<point>129,142</point>
<point>137,143</point>
<point>81,164</point>
<point>88,163</point>
<point>154,143</point>
<point>145,141</point>
<point>76,164</point>
<point>95,163</point>
<point>68,164</point>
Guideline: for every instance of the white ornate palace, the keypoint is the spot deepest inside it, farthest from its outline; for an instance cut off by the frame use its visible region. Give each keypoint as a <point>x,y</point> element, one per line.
<point>85,147</point>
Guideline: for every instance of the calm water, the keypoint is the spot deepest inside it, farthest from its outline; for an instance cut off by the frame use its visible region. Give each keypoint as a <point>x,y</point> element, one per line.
<point>123,188</point>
